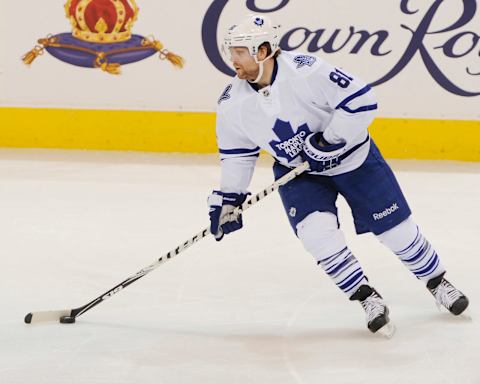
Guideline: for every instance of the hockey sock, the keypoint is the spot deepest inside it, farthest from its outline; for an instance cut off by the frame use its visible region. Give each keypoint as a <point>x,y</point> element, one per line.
<point>345,271</point>
<point>321,237</point>
<point>413,249</point>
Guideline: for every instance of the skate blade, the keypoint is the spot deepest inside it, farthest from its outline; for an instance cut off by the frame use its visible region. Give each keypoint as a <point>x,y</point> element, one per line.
<point>465,315</point>
<point>387,331</point>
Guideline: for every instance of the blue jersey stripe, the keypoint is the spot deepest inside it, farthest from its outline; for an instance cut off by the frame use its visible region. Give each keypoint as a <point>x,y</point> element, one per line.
<point>343,104</point>
<point>360,109</point>
<point>239,151</point>
<point>239,156</point>
<point>359,93</point>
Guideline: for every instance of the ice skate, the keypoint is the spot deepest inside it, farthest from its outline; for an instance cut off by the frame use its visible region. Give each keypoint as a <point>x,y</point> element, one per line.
<point>375,309</point>
<point>447,295</point>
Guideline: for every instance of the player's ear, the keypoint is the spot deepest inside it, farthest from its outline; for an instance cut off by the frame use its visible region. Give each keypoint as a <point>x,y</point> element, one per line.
<point>263,52</point>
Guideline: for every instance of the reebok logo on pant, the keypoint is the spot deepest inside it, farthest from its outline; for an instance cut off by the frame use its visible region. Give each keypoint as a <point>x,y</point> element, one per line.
<point>386,212</point>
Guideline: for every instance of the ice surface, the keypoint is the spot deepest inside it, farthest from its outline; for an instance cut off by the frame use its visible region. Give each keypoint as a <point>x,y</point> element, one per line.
<point>252,309</point>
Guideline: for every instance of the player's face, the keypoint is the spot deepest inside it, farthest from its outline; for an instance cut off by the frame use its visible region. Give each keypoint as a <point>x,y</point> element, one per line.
<point>244,63</point>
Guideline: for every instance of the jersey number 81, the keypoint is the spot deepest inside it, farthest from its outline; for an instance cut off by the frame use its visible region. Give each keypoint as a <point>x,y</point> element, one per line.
<point>340,78</point>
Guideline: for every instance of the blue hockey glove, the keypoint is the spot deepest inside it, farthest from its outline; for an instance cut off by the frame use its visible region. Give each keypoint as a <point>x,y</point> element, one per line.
<point>320,154</point>
<point>221,204</point>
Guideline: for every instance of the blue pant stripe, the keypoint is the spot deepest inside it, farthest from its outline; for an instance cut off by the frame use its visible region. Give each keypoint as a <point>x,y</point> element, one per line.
<point>348,267</point>
<point>422,266</point>
<point>324,262</point>
<point>341,265</point>
<point>334,262</point>
<point>351,282</point>
<point>437,263</point>
<point>418,255</point>
<point>349,276</point>
<point>428,268</point>
<point>412,244</point>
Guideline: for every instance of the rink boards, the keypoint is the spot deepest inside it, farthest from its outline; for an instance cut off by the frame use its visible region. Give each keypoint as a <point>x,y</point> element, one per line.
<point>420,59</point>
<point>191,132</point>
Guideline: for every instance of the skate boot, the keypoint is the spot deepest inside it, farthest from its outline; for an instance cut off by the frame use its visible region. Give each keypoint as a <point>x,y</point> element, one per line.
<point>375,309</point>
<point>447,295</point>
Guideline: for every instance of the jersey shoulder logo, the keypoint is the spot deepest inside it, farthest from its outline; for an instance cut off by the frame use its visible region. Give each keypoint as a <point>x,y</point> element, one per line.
<point>302,60</point>
<point>226,94</point>
<point>290,143</point>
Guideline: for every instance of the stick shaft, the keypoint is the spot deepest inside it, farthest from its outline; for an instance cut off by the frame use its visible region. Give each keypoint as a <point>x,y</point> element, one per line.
<point>39,316</point>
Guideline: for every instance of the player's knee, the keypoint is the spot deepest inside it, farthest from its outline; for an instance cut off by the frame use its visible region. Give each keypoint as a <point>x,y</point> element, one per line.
<point>400,236</point>
<point>320,234</point>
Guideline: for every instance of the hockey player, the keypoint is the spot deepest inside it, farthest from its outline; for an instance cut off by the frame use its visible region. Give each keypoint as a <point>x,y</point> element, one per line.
<point>297,107</point>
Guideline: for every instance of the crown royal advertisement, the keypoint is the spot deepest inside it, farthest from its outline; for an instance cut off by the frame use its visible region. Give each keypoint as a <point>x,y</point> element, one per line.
<point>422,58</point>
<point>101,37</point>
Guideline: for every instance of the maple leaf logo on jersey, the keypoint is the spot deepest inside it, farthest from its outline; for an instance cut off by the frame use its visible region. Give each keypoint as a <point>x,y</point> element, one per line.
<point>291,143</point>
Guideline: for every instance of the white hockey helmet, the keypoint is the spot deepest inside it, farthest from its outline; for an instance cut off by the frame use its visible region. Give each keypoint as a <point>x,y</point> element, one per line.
<point>251,33</point>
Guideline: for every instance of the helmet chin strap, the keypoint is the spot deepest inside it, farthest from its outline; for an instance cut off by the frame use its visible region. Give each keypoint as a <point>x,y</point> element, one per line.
<point>260,72</point>
<point>261,68</point>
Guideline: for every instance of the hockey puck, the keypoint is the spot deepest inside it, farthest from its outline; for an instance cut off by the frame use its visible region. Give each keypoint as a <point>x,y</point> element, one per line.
<point>28,318</point>
<point>67,319</point>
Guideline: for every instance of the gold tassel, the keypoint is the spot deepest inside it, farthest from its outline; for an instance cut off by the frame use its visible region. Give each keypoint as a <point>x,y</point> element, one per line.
<point>176,60</point>
<point>111,68</point>
<point>157,45</point>
<point>30,57</point>
<point>104,65</point>
<point>151,42</point>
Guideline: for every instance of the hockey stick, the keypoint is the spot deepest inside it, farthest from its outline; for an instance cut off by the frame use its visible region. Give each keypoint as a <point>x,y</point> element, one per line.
<point>69,315</point>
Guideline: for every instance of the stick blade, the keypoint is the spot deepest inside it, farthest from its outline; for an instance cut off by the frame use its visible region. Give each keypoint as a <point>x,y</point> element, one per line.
<point>45,316</point>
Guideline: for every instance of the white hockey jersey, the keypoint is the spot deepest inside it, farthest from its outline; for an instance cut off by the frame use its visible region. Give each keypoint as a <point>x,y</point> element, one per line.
<point>306,95</point>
